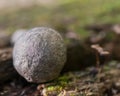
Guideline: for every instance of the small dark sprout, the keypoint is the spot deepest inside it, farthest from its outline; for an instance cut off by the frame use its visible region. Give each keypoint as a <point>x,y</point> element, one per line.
<point>99,52</point>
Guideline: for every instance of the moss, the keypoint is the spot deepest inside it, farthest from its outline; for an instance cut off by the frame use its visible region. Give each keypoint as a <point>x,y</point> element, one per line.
<point>54,88</point>
<point>64,78</point>
<point>67,41</point>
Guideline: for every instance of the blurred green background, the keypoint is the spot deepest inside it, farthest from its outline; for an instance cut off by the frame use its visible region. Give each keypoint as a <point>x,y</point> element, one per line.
<point>63,15</point>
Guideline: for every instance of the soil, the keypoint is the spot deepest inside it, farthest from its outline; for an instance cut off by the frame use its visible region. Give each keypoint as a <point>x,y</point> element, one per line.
<point>103,80</point>
<point>89,82</point>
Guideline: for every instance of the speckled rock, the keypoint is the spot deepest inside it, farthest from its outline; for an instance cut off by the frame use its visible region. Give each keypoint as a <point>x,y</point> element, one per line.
<point>16,35</point>
<point>39,55</point>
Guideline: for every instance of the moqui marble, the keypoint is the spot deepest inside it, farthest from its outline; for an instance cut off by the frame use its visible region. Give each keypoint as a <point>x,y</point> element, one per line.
<point>39,55</point>
<point>16,35</point>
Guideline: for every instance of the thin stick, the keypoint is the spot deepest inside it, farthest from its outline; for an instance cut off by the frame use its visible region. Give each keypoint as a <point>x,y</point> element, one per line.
<point>97,60</point>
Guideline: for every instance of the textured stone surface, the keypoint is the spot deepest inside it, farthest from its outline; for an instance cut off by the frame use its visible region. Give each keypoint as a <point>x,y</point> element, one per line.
<point>16,35</point>
<point>39,55</point>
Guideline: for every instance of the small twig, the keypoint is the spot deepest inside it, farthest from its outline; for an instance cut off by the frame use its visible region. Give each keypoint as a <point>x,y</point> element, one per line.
<point>97,60</point>
<point>99,52</point>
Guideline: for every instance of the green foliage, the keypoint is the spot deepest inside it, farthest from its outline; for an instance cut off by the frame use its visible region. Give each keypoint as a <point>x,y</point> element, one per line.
<point>54,88</point>
<point>58,85</point>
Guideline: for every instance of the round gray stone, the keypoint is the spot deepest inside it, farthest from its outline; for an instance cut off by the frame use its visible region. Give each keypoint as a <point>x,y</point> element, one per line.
<point>16,35</point>
<point>39,55</point>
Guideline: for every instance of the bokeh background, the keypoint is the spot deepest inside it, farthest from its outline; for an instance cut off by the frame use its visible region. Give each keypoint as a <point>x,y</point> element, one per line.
<point>63,15</point>
<point>91,32</point>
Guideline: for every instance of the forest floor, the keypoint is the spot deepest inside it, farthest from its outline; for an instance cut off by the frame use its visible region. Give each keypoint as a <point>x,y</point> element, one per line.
<point>68,16</point>
<point>88,82</point>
